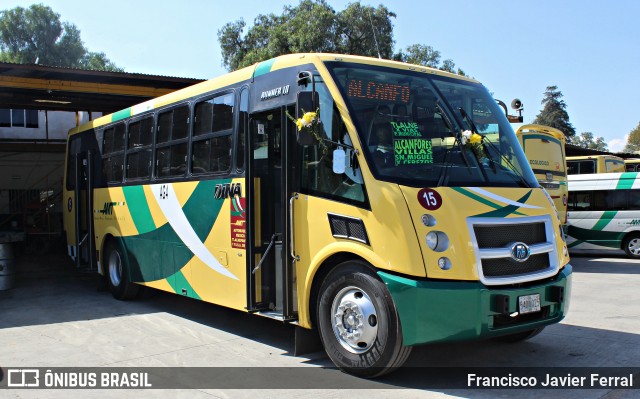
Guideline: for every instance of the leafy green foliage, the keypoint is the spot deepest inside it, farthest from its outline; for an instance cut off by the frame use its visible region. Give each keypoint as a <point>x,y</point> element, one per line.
<point>421,54</point>
<point>633,141</point>
<point>586,140</point>
<point>36,35</point>
<point>554,113</point>
<point>314,26</point>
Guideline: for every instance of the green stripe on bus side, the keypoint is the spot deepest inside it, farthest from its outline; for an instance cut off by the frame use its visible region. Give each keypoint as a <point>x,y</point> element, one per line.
<point>157,254</point>
<point>179,282</point>
<point>626,180</point>
<point>125,113</point>
<point>604,220</point>
<point>202,208</point>
<point>139,208</point>
<point>264,67</point>
<point>609,239</point>
<point>575,243</point>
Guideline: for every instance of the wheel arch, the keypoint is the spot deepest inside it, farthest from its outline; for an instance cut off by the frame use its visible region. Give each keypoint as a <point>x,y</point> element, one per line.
<point>628,234</point>
<point>325,268</point>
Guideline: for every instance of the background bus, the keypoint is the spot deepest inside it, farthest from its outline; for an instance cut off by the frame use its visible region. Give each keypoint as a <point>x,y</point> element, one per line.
<point>632,165</point>
<point>544,147</point>
<point>580,165</point>
<point>604,212</point>
<point>336,192</point>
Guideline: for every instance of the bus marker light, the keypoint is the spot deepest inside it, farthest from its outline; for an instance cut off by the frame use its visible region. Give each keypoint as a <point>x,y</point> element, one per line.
<point>444,263</point>
<point>428,220</point>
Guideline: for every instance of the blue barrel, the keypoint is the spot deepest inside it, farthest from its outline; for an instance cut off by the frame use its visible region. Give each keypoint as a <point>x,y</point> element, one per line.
<point>7,267</point>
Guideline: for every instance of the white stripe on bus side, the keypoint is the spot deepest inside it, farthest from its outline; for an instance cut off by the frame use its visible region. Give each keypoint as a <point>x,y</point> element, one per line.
<point>172,210</point>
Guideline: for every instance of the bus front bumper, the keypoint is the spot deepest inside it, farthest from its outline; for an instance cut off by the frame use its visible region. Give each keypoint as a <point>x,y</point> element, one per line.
<point>440,311</point>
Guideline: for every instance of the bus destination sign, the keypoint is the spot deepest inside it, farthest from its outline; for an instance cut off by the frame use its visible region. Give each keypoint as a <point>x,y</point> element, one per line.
<point>381,91</point>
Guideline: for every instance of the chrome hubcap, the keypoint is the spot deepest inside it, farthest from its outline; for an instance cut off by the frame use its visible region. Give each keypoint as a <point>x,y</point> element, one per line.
<point>115,268</point>
<point>634,246</point>
<point>355,321</point>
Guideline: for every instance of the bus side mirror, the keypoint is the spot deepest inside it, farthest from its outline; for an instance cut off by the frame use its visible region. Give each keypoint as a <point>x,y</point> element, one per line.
<point>339,161</point>
<point>308,101</point>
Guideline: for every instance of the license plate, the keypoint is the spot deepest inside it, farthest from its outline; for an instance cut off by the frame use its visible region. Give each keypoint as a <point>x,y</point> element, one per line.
<point>529,303</point>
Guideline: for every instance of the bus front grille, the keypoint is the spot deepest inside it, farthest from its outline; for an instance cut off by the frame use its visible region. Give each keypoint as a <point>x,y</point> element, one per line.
<point>496,241</point>
<point>499,236</point>
<point>498,267</point>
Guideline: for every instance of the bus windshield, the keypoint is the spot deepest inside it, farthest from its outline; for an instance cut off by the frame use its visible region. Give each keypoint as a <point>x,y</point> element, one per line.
<point>428,130</point>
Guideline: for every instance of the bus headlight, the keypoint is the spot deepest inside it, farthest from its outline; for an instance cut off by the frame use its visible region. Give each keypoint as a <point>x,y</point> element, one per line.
<point>437,241</point>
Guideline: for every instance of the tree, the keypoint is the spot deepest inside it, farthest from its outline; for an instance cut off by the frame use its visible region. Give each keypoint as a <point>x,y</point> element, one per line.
<point>586,140</point>
<point>633,141</point>
<point>426,55</point>
<point>313,26</point>
<point>364,30</point>
<point>36,35</point>
<point>554,113</point>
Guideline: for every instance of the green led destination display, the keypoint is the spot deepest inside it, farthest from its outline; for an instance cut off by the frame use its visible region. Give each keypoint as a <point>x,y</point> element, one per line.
<point>405,129</point>
<point>412,151</point>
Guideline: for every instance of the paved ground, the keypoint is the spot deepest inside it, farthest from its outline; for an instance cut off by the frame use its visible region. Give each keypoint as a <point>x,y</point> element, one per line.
<point>56,317</point>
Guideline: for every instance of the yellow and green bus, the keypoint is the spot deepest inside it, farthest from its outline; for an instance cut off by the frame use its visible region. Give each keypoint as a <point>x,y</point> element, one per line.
<point>544,148</point>
<point>632,165</point>
<point>383,204</point>
<point>588,164</point>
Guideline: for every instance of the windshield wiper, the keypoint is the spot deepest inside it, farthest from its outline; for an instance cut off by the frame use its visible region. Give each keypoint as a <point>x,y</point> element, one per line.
<point>457,141</point>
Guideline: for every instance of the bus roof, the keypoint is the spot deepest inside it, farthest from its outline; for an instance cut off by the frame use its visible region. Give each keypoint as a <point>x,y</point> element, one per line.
<point>581,157</point>
<point>531,128</point>
<point>280,62</point>
<point>609,181</point>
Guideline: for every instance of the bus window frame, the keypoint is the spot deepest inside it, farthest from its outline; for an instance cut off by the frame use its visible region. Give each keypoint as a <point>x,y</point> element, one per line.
<point>129,151</point>
<point>232,132</point>
<point>172,142</point>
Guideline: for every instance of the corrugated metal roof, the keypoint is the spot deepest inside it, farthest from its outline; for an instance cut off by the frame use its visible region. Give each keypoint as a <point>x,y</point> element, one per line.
<point>67,89</point>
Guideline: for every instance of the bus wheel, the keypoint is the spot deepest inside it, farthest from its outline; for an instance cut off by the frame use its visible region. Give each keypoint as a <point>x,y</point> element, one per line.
<point>117,275</point>
<point>521,336</point>
<point>631,246</point>
<point>358,322</point>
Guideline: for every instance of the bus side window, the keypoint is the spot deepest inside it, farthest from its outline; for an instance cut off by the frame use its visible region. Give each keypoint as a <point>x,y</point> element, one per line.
<point>571,201</point>
<point>113,154</point>
<point>583,200</point>
<point>634,199</point>
<point>171,142</point>
<point>317,175</point>
<point>213,124</point>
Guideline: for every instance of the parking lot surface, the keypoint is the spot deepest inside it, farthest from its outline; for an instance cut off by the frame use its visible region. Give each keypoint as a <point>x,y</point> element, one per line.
<point>57,316</point>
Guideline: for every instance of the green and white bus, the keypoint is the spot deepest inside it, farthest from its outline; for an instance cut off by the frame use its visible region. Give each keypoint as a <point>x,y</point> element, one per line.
<point>604,212</point>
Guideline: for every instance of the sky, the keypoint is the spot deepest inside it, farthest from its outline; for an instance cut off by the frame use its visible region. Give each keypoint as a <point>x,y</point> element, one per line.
<point>590,50</point>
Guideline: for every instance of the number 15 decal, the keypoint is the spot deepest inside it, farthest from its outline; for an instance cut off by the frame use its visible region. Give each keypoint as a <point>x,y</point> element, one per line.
<point>429,199</point>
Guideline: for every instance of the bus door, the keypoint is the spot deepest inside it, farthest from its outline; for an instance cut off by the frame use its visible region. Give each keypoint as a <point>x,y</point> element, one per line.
<point>83,198</point>
<point>269,177</point>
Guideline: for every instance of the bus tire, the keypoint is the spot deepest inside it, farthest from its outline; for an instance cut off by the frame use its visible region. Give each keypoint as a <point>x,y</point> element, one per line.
<point>358,322</point>
<point>631,246</point>
<point>117,273</point>
<point>521,336</point>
